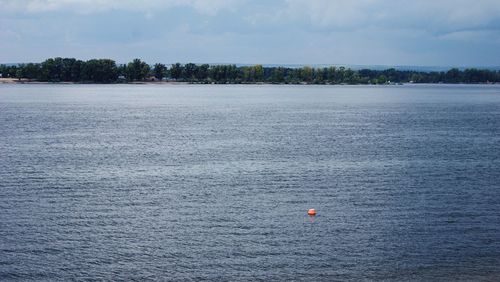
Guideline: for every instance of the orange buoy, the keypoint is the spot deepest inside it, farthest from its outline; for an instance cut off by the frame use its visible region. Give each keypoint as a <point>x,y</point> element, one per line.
<point>311,212</point>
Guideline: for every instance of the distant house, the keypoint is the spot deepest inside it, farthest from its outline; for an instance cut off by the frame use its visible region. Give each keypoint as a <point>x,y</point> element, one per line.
<point>1,75</point>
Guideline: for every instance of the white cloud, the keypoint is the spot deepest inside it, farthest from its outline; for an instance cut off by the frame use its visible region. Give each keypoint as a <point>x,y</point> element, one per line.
<point>324,13</point>
<point>443,14</point>
<point>92,6</point>
<point>416,32</point>
<point>432,14</point>
<point>473,36</point>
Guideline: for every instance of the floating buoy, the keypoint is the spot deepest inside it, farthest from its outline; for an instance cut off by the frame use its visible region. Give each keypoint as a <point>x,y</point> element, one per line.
<point>311,212</point>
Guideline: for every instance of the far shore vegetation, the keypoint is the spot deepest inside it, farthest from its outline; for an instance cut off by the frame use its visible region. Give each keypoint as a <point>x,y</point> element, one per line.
<point>108,71</point>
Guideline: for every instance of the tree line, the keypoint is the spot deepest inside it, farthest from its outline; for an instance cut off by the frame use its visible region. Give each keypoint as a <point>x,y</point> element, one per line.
<point>108,71</point>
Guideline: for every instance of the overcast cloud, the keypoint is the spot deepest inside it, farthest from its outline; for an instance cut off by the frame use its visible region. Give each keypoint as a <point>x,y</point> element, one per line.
<point>391,32</point>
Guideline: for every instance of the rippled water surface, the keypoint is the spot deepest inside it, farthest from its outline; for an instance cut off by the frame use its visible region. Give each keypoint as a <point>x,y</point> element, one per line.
<point>214,182</point>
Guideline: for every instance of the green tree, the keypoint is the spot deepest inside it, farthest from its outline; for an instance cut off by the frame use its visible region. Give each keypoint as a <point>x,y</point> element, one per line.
<point>189,71</point>
<point>52,70</point>
<point>306,74</point>
<point>176,71</point>
<point>259,72</point>
<point>278,75</point>
<point>202,72</point>
<point>31,71</point>
<point>100,71</point>
<point>159,71</point>
<point>137,70</point>
<point>382,79</point>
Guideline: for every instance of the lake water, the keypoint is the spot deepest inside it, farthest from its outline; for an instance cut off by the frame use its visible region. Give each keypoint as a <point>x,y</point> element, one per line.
<point>189,182</point>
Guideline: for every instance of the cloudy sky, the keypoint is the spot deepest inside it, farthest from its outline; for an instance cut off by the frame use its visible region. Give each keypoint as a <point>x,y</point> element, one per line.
<point>353,32</point>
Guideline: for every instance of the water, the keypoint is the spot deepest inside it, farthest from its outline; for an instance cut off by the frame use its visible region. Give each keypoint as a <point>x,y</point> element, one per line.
<point>214,182</point>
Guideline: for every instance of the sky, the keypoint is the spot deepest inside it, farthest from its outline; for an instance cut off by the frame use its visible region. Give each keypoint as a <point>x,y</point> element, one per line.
<point>340,32</point>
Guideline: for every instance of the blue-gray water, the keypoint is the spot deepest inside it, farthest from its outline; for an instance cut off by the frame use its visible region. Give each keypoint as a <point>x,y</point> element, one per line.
<point>214,182</point>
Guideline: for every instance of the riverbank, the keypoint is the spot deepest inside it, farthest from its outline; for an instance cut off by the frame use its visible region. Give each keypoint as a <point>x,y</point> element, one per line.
<point>152,82</point>
<point>31,81</point>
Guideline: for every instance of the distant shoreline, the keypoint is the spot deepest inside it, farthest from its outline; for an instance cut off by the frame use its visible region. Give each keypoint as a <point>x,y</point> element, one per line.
<point>106,71</point>
<point>37,82</point>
